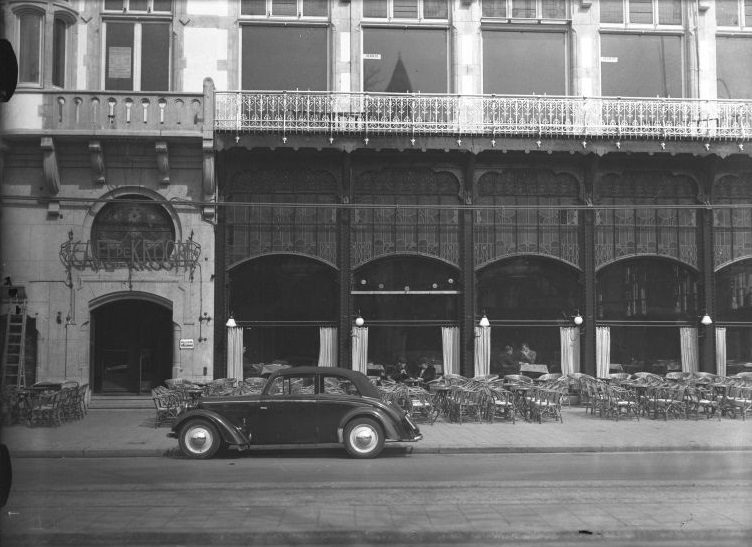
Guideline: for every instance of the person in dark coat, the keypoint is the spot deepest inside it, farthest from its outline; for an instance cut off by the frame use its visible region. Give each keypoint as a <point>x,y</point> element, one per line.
<point>401,374</point>
<point>427,371</point>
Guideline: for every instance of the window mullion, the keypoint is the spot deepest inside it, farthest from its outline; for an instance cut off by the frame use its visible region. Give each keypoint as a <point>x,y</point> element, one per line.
<point>137,56</point>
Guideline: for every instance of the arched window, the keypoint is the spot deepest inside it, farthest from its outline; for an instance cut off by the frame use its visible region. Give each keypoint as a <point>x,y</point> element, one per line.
<point>59,42</point>
<point>132,227</point>
<point>30,47</point>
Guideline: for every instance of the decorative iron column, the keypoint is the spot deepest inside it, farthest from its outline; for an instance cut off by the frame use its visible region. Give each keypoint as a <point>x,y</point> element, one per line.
<point>705,222</point>
<point>467,266</point>
<point>587,238</point>
<point>345,311</point>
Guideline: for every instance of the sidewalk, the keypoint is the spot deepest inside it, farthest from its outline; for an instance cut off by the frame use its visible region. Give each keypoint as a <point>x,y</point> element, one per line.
<point>128,433</point>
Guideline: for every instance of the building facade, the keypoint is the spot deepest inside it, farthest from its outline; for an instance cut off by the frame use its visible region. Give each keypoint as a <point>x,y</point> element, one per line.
<point>419,164</point>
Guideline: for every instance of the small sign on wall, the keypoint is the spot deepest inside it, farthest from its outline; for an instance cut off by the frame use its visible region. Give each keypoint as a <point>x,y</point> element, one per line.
<point>186,343</point>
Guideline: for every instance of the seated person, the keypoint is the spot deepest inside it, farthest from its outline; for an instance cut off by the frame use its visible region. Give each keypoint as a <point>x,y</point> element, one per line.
<point>401,374</point>
<point>427,371</point>
<point>526,355</point>
<point>507,362</point>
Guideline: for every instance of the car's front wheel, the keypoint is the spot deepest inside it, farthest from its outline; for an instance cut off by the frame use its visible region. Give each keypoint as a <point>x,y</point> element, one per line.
<point>364,438</point>
<point>199,439</point>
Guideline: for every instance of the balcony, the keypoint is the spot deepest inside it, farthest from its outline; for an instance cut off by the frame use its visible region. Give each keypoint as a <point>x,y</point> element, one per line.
<point>104,113</point>
<point>376,114</point>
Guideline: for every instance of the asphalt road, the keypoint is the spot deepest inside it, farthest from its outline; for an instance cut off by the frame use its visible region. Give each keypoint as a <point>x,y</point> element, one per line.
<point>302,498</point>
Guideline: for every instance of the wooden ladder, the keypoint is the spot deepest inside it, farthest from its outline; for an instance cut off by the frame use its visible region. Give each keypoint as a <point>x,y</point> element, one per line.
<point>14,348</point>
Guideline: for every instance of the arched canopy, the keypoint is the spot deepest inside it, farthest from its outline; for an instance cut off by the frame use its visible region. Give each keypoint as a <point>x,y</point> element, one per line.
<point>528,287</point>
<point>647,289</point>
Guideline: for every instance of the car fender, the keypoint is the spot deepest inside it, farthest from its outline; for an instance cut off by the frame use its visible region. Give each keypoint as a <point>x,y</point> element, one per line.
<point>231,434</point>
<point>380,416</point>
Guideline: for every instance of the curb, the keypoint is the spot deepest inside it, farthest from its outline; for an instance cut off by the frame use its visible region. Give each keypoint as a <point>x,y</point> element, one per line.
<point>404,537</point>
<point>393,450</point>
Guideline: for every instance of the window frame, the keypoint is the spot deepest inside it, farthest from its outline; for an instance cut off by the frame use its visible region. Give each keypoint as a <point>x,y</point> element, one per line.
<point>127,10</point>
<point>742,15</point>
<point>656,24</point>
<point>269,15</point>
<point>137,22</point>
<point>41,17</point>
<point>420,18</point>
<point>509,12</point>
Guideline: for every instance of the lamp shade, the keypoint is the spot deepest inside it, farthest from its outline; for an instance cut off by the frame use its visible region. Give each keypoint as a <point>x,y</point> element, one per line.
<point>484,321</point>
<point>706,320</point>
<point>577,319</point>
<point>231,323</point>
<point>359,321</point>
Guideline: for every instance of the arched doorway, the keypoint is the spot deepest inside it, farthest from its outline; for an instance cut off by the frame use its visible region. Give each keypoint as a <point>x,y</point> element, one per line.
<point>133,346</point>
<point>528,299</point>
<point>733,298</point>
<point>283,301</point>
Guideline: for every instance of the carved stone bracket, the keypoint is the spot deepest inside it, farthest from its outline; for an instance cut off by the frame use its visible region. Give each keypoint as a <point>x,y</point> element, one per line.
<point>49,165</point>
<point>97,162</point>
<point>208,168</point>
<point>163,162</point>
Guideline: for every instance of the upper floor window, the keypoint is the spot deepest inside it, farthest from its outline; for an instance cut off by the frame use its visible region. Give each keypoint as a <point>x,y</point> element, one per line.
<point>148,6</point>
<point>525,9</point>
<point>289,57</point>
<point>137,55</point>
<point>284,8</point>
<point>641,12</point>
<point>733,13</point>
<point>406,9</point>
<point>41,43</point>
<point>399,60</point>
<point>30,48</point>
<point>733,78</point>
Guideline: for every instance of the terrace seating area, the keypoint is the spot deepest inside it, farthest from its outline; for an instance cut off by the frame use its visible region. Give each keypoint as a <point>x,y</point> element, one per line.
<point>44,403</point>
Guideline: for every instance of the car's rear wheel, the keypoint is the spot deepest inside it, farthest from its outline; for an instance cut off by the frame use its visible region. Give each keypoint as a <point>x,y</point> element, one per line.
<point>364,438</point>
<point>199,439</point>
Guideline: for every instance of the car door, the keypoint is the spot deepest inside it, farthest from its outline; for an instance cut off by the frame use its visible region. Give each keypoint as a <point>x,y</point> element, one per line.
<point>287,411</point>
<point>337,395</point>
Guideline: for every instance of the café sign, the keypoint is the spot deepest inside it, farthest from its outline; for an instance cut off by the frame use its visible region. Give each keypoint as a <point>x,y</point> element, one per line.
<point>135,253</point>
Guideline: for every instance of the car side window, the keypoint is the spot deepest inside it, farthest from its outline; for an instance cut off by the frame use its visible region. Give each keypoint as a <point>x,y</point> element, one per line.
<point>292,385</point>
<point>339,386</point>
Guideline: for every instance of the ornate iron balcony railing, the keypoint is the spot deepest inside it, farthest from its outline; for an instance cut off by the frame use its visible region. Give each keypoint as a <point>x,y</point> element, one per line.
<point>291,112</point>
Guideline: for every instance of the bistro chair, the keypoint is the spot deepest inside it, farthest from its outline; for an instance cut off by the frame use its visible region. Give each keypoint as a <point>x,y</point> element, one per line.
<point>545,403</point>
<point>167,405</point>
<point>622,403</point>
<point>702,399</point>
<point>518,379</point>
<point>668,401</point>
<point>503,402</point>
<point>45,408</point>
<point>739,400</point>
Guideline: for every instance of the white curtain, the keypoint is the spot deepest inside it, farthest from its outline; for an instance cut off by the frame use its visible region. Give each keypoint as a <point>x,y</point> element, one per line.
<point>450,345</point>
<point>570,349</point>
<point>235,353</point>
<point>360,349</point>
<point>328,347</point>
<point>720,351</point>
<point>482,351</point>
<point>689,348</point>
<point>602,351</point>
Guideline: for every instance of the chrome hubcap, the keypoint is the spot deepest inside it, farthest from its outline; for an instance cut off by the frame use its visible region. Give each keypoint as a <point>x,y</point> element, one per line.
<point>198,439</point>
<point>363,438</point>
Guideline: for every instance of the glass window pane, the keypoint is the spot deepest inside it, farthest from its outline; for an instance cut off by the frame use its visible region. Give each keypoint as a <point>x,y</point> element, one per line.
<point>253,7</point>
<point>669,12</point>
<point>277,58</point>
<point>523,63</point>
<point>58,53</point>
<point>732,60</point>
<point>554,9</point>
<point>374,8</point>
<point>435,9</point>
<point>408,60</point>
<point>645,65</point>
<point>137,5</point>
<point>29,48</point>
<point>284,7</point>
<point>155,57</point>
<point>162,5</point>
<point>315,8</point>
<point>641,11</point>
<point>612,11</point>
<point>494,8</point>
<point>114,5</point>
<point>727,12</point>
<point>748,13</point>
<point>405,9</point>
<point>523,8</point>
<point>119,56</point>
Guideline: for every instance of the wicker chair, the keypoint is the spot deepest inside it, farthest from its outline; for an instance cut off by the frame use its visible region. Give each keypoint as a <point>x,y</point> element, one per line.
<point>739,400</point>
<point>518,378</point>
<point>622,403</point>
<point>46,409</point>
<point>668,401</point>
<point>503,405</point>
<point>545,403</point>
<point>167,405</point>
